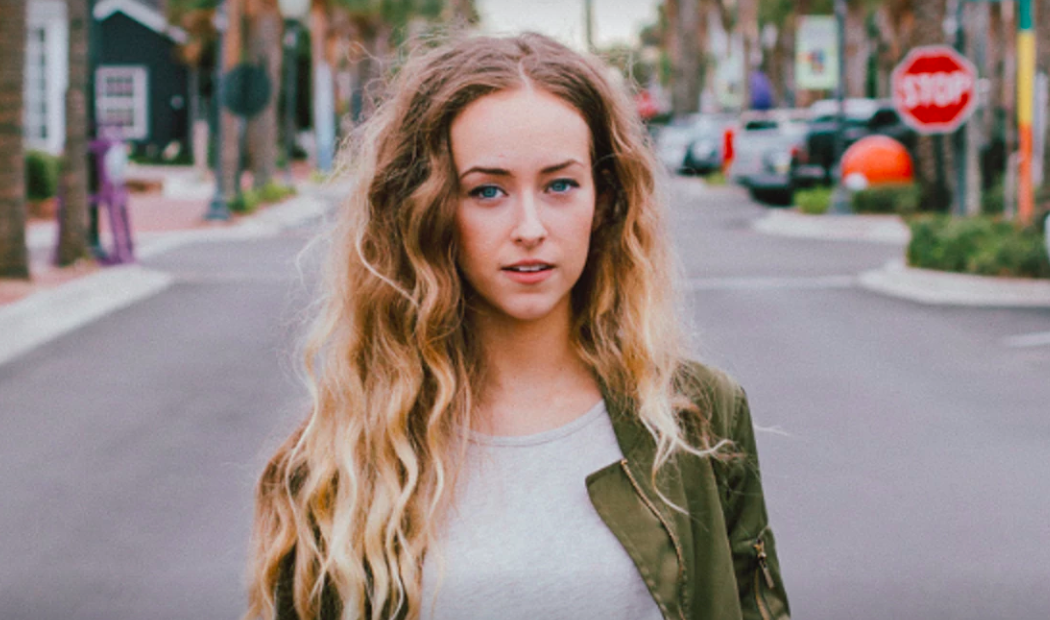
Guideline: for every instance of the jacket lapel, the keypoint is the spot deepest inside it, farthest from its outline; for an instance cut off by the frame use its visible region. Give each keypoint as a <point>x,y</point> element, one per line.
<point>657,537</point>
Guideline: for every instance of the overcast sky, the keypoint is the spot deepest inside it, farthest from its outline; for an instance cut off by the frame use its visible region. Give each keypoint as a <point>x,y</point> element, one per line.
<point>614,20</point>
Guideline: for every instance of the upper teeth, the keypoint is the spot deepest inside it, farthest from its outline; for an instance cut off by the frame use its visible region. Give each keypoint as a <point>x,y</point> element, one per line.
<point>528,267</point>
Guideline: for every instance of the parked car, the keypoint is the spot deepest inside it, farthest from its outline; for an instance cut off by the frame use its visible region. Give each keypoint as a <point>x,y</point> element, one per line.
<point>705,152</point>
<point>764,147</point>
<point>815,161</point>
<point>674,142</point>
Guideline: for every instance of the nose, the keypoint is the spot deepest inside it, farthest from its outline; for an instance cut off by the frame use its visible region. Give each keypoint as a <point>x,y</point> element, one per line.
<point>529,230</point>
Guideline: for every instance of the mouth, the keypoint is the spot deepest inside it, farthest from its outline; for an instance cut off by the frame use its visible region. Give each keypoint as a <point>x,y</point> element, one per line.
<point>529,267</point>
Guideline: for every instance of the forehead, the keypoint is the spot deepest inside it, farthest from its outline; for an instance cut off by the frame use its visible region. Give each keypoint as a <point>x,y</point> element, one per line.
<point>519,128</point>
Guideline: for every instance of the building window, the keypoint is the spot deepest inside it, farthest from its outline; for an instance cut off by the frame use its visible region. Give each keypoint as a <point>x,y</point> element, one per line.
<point>121,97</point>
<point>36,111</point>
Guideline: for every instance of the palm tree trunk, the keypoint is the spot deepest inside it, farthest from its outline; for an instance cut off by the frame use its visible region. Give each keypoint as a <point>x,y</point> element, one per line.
<point>685,96</point>
<point>264,48</point>
<point>14,259</point>
<point>857,50</point>
<point>933,159</point>
<point>72,236</point>
<point>230,149</point>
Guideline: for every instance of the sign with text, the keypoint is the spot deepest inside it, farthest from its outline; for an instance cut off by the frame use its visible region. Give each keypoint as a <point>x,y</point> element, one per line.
<point>934,89</point>
<point>817,53</point>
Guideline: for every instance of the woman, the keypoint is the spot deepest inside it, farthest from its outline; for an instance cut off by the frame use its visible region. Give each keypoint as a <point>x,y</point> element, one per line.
<point>503,423</point>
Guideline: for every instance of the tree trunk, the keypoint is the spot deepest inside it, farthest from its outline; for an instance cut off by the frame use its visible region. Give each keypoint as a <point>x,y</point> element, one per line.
<point>857,49</point>
<point>747,26</point>
<point>230,149</point>
<point>73,192</point>
<point>685,94</point>
<point>933,157</point>
<point>264,49</point>
<point>14,259</point>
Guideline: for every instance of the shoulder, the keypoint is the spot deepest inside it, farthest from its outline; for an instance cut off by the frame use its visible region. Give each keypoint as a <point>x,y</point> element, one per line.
<point>719,400</point>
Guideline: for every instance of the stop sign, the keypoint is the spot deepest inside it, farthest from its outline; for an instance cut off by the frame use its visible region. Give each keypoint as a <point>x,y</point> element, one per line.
<point>934,89</point>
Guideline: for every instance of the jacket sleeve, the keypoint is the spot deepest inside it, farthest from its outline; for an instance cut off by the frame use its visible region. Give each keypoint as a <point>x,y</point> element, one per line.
<point>762,595</point>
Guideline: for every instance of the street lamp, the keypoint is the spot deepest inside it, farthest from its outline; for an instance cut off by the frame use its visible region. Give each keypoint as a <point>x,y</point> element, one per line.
<point>293,12</point>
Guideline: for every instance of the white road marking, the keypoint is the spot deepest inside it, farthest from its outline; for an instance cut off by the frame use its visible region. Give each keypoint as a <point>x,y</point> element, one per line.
<point>1024,341</point>
<point>759,283</point>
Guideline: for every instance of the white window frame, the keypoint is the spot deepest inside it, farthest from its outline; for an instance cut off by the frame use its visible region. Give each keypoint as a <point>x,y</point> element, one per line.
<point>49,80</point>
<point>138,103</point>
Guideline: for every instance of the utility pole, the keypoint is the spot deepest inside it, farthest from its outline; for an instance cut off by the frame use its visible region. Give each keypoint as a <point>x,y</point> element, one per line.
<point>840,197</point>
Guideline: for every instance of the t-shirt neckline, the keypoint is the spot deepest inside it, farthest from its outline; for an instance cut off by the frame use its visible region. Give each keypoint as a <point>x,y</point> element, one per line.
<point>547,436</point>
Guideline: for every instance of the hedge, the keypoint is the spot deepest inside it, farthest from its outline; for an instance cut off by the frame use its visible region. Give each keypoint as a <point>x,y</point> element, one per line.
<point>979,245</point>
<point>41,175</point>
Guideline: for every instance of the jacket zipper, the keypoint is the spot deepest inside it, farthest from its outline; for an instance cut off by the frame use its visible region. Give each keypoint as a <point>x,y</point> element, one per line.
<point>760,551</point>
<point>670,532</point>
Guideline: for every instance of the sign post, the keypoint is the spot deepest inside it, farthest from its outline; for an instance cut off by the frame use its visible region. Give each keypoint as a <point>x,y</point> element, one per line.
<point>935,91</point>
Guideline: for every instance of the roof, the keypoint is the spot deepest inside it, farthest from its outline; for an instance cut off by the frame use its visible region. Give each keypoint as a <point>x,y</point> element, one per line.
<point>146,15</point>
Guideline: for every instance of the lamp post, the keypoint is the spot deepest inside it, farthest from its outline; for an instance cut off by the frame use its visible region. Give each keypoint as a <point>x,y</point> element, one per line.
<point>293,11</point>
<point>218,209</point>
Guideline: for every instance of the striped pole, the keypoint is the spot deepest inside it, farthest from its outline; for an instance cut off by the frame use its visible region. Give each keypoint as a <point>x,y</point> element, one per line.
<point>1025,104</point>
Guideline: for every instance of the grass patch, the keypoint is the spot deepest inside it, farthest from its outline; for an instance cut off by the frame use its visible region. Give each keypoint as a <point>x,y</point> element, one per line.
<point>814,200</point>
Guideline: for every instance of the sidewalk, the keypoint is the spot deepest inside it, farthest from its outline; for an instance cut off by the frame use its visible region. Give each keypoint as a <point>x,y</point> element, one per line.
<point>58,300</point>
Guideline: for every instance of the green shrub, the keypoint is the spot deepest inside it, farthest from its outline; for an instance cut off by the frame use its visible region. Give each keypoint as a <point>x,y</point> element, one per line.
<point>41,175</point>
<point>245,202</point>
<point>274,192</point>
<point>715,179</point>
<point>993,201</point>
<point>978,245</point>
<point>903,199</point>
<point>814,201</point>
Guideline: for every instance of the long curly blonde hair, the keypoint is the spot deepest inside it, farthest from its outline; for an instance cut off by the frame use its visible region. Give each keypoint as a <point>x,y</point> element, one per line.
<point>353,498</point>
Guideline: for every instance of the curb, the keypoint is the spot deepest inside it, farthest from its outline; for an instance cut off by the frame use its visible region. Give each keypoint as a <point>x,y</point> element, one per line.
<point>44,316</point>
<point>888,229</point>
<point>943,288</point>
<point>49,314</point>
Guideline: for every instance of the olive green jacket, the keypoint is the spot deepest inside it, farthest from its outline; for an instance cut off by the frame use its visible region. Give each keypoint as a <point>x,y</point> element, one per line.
<point>717,560</point>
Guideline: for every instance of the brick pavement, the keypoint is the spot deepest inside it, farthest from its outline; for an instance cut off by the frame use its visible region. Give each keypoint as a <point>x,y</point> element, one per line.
<point>151,213</point>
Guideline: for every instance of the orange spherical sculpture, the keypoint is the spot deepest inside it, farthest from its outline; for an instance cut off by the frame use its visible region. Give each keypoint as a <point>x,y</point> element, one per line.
<point>876,160</point>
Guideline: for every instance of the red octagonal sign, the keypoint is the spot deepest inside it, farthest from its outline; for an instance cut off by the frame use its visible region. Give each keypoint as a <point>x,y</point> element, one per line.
<point>934,89</point>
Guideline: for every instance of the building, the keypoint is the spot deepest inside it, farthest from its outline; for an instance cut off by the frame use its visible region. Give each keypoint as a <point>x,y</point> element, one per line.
<point>46,75</point>
<point>141,86</point>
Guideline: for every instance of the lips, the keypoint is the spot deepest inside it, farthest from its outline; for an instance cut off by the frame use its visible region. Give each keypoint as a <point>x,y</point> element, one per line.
<point>528,271</point>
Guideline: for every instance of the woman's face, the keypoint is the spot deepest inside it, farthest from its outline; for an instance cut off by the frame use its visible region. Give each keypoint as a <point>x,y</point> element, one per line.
<point>526,202</point>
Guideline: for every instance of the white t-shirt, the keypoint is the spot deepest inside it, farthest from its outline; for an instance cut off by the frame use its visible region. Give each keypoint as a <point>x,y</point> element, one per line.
<point>524,541</point>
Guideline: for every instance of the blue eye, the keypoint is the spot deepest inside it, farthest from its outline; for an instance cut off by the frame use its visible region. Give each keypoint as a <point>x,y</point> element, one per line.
<point>486,192</point>
<point>562,186</point>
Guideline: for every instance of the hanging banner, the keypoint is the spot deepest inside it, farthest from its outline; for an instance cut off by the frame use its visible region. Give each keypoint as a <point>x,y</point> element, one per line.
<point>817,53</point>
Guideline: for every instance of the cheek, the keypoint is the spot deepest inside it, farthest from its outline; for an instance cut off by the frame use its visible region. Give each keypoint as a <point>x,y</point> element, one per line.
<point>472,235</point>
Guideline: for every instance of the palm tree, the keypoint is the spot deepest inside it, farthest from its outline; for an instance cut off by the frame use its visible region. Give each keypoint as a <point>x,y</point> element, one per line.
<point>14,259</point>
<point>933,159</point>
<point>73,222</point>
<point>264,48</point>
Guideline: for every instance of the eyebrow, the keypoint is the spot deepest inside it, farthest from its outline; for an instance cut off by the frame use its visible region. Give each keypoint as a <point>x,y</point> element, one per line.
<point>501,172</point>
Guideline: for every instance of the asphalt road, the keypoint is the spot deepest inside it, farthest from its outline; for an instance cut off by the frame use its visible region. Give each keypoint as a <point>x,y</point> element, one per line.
<point>906,450</point>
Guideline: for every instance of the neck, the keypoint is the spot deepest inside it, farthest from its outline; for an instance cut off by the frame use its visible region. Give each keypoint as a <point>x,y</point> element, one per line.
<point>534,379</point>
